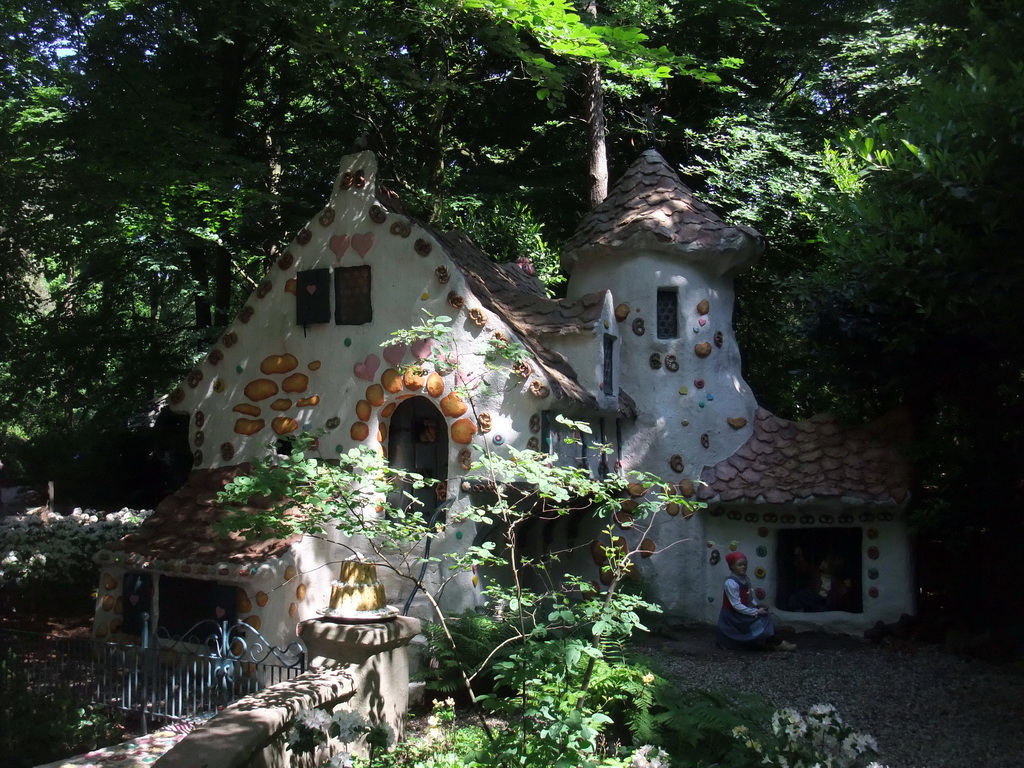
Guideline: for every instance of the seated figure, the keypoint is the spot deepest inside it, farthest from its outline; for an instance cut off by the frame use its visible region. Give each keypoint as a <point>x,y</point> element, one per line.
<point>742,622</point>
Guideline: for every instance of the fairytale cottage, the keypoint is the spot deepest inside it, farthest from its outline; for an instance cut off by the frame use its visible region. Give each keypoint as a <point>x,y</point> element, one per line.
<point>642,348</point>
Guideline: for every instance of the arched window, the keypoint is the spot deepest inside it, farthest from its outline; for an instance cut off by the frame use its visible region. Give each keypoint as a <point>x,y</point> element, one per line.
<point>418,442</point>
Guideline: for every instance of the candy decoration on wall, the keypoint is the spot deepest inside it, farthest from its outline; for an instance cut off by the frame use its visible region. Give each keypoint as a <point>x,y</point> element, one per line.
<point>762,551</point>
<point>655,361</point>
<point>705,440</point>
<point>871,533</point>
<point>327,217</point>
<point>760,572</point>
<point>367,369</point>
<point>422,247</point>
<point>462,431</point>
<point>455,301</point>
<point>676,463</point>
<point>378,215</point>
<point>539,390</point>
<point>362,243</point>
<point>286,260</point>
<point>533,444</point>
<point>763,532</point>
<point>621,312</point>
<point>227,451</point>
<point>872,573</point>
<point>283,425</point>
<point>873,592</point>
<point>760,594</point>
<point>873,553</point>
<point>249,427</point>
<point>702,350</point>
<point>647,548</point>
<point>698,383</point>
<point>703,307</point>
<point>333,423</point>
<point>719,338</point>
<point>478,316</point>
<point>401,229</point>
<point>671,363</point>
<point>452,405</point>
<point>484,422</point>
<point>736,422</point>
<point>246,314</point>
<point>715,557</point>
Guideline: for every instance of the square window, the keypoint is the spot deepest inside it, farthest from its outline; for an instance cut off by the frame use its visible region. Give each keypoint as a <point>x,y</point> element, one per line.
<point>819,569</point>
<point>668,313</point>
<point>352,296</point>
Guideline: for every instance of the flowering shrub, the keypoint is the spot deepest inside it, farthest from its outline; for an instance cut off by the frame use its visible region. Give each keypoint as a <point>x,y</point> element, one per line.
<point>819,739</point>
<point>42,559</point>
<point>312,729</point>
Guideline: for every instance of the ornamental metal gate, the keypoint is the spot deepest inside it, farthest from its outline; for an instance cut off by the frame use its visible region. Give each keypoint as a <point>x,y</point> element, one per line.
<point>162,678</point>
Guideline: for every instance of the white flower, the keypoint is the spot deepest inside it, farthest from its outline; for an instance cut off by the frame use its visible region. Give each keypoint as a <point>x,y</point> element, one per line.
<point>340,760</point>
<point>643,757</point>
<point>314,719</point>
<point>351,725</point>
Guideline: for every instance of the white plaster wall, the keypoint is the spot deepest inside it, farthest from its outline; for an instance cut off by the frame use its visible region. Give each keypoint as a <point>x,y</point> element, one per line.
<point>894,567</point>
<point>666,399</point>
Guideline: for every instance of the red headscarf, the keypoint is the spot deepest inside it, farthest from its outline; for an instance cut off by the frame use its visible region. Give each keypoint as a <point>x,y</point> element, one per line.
<point>733,557</point>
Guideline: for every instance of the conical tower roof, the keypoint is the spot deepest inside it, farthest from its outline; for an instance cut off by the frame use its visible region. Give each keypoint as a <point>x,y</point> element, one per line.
<point>650,208</point>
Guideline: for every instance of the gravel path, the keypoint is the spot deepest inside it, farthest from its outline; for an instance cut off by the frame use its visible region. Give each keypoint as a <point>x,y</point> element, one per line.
<point>926,708</point>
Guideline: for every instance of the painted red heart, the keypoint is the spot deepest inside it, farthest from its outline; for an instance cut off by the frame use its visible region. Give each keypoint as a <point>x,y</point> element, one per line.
<point>133,599</point>
<point>368,368</point>
<point>219,612</point>
<point>394,353</point>
<point>421,348</point>
<point>363,243</point>
<point>310,289</point>
<point>339,244</point>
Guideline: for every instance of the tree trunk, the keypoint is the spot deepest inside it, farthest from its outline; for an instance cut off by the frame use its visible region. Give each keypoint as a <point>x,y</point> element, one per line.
<point>596,138</point>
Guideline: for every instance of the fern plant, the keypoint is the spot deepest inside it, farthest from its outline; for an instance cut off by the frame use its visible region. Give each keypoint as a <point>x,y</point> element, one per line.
<point>476,636</point>
<point>698,727</point>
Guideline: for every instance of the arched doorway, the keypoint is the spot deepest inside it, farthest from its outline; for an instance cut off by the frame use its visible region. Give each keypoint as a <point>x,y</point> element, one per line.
<point>418,442</point>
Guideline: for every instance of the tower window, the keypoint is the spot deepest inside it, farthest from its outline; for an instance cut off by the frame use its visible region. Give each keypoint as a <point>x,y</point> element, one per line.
<point>668,313</point>
<point>608,372</point>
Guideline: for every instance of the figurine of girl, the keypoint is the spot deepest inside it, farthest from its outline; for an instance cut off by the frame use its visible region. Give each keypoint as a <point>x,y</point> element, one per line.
<point>742,622</point>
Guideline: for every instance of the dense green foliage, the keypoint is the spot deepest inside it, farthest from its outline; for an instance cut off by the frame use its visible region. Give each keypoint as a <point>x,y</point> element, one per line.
<point>154,157</point>
<point>42,726</point>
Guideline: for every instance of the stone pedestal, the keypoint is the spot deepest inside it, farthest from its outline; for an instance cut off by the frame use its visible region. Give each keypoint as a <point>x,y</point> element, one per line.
<point>377,658</point>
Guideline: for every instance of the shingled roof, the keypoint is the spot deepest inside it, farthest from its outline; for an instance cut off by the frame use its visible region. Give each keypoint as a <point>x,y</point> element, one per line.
<point>518,299</point>
<point>785,461</point>
<point>182,527</point>
<point>650,208</point>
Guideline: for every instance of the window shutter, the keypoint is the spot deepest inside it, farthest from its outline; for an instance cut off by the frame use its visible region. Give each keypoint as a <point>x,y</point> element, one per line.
<point>313,296</point>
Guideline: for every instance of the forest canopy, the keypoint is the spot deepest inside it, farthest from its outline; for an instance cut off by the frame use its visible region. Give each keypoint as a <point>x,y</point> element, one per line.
<point>155,156</point>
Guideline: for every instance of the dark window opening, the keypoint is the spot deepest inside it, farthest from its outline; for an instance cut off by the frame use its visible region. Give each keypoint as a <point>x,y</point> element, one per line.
<point>284,446</point>
<point>187,602</point>
<point>313,296</point>
<point>418,442</point>
<point>608,372</point>
<point>352,296</point>
<point>137,599</point>
<point>819,569</point>
<point>668,313</point>
<point>545,431</point>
